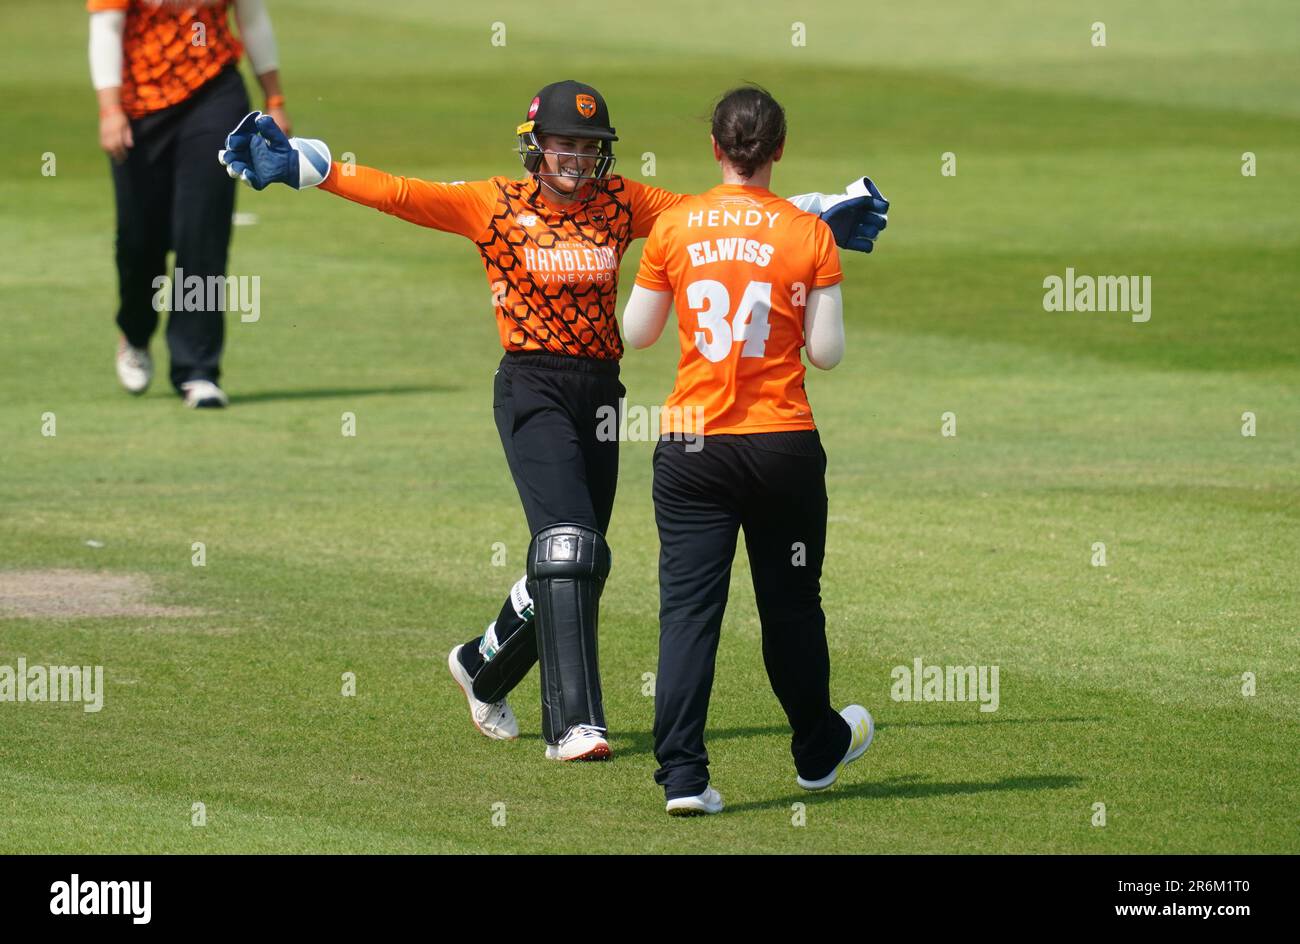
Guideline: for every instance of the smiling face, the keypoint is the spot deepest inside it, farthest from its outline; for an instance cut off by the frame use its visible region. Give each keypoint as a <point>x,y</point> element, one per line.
<point>570,160</point>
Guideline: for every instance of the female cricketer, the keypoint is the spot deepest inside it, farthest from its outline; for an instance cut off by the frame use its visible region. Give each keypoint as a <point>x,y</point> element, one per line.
<point>551,243</point>
<point>167,77</point>
<point>754,280</point>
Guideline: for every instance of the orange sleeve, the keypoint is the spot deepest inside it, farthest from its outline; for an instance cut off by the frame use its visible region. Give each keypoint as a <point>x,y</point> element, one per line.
<point>98,6</point>
<point>828,257</point>
<point>653,273</point>
<point>463,208</point>
<point>647,203</point>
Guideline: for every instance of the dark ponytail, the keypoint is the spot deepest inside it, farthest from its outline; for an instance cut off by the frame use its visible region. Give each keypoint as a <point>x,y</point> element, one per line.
<point>749,126</point>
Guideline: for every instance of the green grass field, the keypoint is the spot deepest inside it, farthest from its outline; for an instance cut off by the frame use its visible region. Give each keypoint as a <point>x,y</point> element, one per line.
<point>1120,684</point>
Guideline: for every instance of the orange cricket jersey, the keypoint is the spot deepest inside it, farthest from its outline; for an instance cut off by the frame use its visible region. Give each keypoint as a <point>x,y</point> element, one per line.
<point>740,262</point>
<point>170,48</point>
<point>553,270</point>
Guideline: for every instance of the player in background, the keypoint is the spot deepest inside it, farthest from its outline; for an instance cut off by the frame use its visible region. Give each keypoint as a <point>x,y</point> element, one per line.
<point>167,77</point>
<point>754,280</point>
<point>551,244</point>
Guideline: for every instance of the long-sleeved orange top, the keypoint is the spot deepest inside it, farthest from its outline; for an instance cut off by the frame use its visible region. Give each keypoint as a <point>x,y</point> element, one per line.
<point>553,270</point>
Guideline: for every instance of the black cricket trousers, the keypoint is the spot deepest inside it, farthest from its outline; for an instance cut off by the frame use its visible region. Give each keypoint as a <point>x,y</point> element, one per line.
<point>773,486</point>
<point>549,410</point>
<point>173,194</point>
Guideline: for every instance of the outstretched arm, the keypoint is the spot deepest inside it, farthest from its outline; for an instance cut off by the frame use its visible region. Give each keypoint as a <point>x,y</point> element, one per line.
<point>258,153</point>
<point>463,208</point>
<point>856,217</point>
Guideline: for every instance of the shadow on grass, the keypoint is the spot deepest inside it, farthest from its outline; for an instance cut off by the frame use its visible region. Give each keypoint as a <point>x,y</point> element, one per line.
<point>912,787</point>
<point>985,720</point>
<point>266,396</point>
<point>642,742</point>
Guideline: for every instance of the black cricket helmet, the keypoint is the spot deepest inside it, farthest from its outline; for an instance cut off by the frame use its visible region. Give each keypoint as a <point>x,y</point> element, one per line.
<point>571,109</point>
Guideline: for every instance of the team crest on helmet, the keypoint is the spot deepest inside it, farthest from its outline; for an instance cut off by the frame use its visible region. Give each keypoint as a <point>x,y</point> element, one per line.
<point>586,105</point>
<point>532,109</point>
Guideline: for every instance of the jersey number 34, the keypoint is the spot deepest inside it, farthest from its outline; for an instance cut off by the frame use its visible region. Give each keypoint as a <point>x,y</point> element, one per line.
<point>711,302</point>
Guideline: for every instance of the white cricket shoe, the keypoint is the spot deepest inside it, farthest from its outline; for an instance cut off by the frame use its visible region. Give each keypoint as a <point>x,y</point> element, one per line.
<point>864,729</point>
<point>494,718</point>
<point>710,801</point>
<point>134,367</point>
<point>580,742</point>
<point>203,393</point>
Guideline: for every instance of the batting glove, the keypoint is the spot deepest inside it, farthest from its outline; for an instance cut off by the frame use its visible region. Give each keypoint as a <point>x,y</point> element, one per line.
<point>858,217</point>
<point>258,153</point>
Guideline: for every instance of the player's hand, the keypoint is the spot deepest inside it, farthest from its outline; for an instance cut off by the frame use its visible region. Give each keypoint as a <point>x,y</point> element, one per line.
<point>115,134</point>
<point>258,153</point>
<point>857,221</point>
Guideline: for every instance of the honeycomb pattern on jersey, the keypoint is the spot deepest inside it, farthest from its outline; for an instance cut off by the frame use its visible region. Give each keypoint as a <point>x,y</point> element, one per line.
<point>575,318</point>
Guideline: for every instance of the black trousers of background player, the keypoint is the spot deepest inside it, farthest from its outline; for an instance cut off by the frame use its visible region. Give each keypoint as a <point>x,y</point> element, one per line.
<point>773,487</point>
<point>172,194</point>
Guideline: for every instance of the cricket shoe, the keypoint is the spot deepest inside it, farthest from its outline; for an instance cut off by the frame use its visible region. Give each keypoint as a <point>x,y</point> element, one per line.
<point>493,718</point>
<point>203,393</point>
<point>863,730</point>
<point>134,367</point>
<point>580,742</point>
<point>710,801</point>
